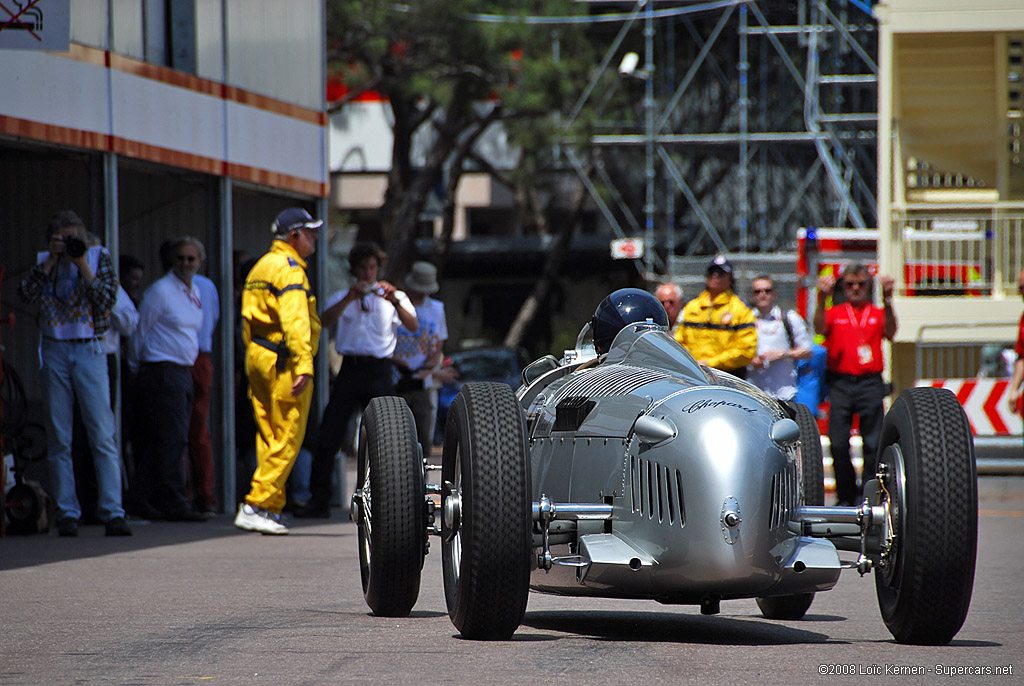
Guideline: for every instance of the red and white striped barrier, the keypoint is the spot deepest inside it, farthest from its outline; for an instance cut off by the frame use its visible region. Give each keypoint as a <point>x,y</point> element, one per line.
<point>984,401</point>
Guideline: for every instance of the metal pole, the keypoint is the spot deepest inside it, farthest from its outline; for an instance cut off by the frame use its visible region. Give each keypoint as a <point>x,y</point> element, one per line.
<point>649,206</point>
<point>226,364</point>
<point>744,103</point>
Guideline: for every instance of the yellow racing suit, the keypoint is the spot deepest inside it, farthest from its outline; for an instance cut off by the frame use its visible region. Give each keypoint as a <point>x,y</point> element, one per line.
<point>281,331</point>
<point>719,332</point>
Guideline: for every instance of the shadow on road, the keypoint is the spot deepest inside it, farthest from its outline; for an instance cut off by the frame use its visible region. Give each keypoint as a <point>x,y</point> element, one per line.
<point>27,551</point>
<point>666,627</point>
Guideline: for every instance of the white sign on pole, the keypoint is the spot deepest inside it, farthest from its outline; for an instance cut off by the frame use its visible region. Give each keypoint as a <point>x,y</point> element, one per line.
<point>35,24</point>
<point>627,248</point>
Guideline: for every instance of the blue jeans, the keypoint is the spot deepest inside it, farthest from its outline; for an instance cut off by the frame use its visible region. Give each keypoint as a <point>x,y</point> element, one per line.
<point>298,480</point>
<point>70,370</point>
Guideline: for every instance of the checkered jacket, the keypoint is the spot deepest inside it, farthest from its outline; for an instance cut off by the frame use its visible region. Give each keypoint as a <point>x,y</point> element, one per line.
<point>94,301</point>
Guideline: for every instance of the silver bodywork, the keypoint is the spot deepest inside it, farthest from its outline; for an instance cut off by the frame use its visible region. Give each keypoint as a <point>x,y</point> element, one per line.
<point>655,477</point>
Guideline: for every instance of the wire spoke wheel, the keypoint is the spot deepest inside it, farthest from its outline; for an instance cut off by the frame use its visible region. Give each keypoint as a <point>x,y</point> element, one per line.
<point>929,483</point>
<point>391,516</point>
<point>486,512</point>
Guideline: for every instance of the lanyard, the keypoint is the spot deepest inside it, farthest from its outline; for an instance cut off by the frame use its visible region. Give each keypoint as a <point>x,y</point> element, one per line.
<point>863,322</point>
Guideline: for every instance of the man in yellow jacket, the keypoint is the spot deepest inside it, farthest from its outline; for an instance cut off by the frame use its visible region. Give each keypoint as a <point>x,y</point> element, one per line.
<point>281,330</point>
<point>718,328</point>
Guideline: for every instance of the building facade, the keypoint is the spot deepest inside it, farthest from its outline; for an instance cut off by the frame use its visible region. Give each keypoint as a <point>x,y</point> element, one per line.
<point>163,118</point>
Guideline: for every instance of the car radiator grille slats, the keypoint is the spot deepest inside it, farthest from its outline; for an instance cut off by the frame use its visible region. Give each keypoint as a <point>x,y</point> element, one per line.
<point>608,381</point>
<point>784,496</point>
<point>657,491</point>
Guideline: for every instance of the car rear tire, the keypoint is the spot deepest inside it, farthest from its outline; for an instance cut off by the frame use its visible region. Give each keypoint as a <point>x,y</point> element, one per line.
<point>486,512</point>
<point>811,459</point>
<point>813,482</point>
<point>930,481</point>
<point>390,507</point>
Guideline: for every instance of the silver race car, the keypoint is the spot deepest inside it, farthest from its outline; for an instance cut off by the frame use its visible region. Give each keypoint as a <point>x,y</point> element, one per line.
<point>628,470</point>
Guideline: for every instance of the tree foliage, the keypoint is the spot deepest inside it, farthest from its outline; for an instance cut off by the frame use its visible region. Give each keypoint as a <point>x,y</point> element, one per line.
<point>450,70</point>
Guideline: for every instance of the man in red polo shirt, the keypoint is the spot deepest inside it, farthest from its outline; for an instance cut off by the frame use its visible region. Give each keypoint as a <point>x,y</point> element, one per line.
<point>853,333</point>
<point>1017,380</point>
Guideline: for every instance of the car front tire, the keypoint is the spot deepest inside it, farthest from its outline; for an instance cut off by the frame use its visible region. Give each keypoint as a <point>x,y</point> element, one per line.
<point>486,512</point>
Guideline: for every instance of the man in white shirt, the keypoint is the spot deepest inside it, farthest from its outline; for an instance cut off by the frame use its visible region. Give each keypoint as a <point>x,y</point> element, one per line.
<point>782,339</point>
<point>163,349</point>
<point>368,316</point>
<point>418,354</point>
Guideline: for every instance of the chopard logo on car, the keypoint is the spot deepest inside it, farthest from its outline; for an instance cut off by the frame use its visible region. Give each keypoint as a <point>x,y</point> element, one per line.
<point>705,404</point>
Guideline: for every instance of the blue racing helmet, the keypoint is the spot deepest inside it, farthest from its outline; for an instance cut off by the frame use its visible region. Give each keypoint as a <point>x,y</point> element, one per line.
<point>624,306</point>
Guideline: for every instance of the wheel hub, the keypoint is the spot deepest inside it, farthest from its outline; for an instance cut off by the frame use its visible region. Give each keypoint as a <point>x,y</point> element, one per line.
<point>452,511</point>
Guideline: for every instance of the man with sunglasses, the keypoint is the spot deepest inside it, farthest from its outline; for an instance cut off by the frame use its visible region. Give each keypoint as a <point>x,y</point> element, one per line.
<point>718,327</point>
<point>853,332</point>
<point>161,353</point>
<point>782,339</point>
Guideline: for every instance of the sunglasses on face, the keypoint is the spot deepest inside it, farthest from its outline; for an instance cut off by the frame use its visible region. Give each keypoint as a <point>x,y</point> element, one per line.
<point>759,291</point>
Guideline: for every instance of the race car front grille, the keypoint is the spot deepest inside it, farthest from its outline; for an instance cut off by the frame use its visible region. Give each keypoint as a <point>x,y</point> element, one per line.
<point>601,382</point>
<point>784,496</point>
<point>657,491</point>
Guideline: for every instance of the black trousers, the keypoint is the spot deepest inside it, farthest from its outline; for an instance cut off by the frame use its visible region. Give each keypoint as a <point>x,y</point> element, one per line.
<point>360,380</point>
<point>854,395</point>
<point>159,478</point>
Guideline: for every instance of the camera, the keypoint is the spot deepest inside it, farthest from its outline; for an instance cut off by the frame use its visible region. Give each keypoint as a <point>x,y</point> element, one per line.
<point>74,247</point>
<point>376,290</point>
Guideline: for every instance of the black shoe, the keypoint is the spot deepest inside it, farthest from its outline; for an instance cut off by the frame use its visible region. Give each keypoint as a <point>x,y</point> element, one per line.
<point>186,516</point>
<point>144,510</point>
<point>67,526</point>
<point>118,527</point>
<point>312,510</point>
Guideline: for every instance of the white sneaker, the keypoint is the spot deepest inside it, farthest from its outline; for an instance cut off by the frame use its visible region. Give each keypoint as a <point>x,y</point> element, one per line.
<point>252,518</point>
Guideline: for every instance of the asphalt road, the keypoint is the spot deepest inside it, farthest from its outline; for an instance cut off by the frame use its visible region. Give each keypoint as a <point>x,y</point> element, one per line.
<point>196,603</point>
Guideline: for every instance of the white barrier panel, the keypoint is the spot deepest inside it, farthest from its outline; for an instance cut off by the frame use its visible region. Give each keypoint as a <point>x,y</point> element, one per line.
<point>984,401</point>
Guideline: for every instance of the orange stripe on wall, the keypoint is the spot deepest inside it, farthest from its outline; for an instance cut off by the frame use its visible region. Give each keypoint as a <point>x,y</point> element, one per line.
<point>62,135</point>
<point>156,72</point>
<point>90,140</point>
<point>269,178</point>
<point>174,158</point>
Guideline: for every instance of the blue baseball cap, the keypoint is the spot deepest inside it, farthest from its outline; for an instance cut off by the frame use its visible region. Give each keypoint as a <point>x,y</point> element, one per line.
<point>295,218</point>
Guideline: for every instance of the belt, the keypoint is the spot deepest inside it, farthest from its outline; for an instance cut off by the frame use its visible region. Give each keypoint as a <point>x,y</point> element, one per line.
<point>362,359</point>
<point>853,377</point>
<point>166,363</point>
<point>72,340</point>
<point>279,348</point>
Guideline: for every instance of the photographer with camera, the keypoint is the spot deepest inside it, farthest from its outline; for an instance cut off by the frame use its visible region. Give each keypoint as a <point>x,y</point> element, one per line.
<point>368,315</point>
<point>76,289</point>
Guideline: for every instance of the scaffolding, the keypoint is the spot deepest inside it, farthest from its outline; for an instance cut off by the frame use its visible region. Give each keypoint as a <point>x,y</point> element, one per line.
<point>755,118</point>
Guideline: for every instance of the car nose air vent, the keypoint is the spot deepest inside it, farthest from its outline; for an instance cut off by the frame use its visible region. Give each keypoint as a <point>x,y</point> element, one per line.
<point>657,491</point>
<point>570,413</point>
<point>784,496</point>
